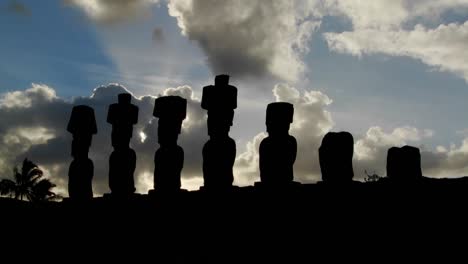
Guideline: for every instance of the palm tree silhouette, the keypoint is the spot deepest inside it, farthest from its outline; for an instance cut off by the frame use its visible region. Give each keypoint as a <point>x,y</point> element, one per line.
<point>28,183</point>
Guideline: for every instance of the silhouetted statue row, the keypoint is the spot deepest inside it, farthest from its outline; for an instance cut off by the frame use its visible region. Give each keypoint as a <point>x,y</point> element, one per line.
<point>277,151</point>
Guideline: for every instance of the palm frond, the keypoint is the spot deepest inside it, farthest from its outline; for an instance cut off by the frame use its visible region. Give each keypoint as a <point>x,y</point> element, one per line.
<point>27,167</point>
<point>17,175</point>
<point>34,175</point>
<point>7,187</point>
<point>28,184</point>
<point>42,190</point>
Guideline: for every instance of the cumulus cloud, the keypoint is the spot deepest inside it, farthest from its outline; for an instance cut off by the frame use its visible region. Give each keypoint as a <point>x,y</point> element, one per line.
<point>404,28</point>
<point>446,162</point>
<point>258,38</point>
<point>36,129</point>
<point>311,122</point>
<point>388,15</point>
<point>112,11</point>
<point>38,93</point>
<point>370,151</point>
<point>34,126</point>
<point>248,38</point>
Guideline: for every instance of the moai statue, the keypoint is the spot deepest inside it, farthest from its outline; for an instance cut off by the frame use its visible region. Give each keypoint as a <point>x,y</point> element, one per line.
<point>82,125</point>
<point>169,158</point>
<point>404,164</point>
<point>278,151</point>
<point>336,157</point>
<point>219,152</point>
<point>122,161</point>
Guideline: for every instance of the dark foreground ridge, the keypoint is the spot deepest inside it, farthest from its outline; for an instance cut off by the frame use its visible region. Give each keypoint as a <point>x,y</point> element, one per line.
<point>291,222</point>
<point>292,202</point>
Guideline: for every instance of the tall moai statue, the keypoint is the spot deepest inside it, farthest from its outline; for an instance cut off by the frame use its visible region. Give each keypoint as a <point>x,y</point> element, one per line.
<point>278,151</point>
<point>82,125</point>
<point>169,158</point>
<point>122,116</point>
<point>336,157</point>
<point>404,164</point>
<point>219,152</point>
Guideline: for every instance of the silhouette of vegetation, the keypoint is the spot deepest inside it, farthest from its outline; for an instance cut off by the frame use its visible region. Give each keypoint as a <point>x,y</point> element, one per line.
<point>372,177</point>
<point>28,183</point>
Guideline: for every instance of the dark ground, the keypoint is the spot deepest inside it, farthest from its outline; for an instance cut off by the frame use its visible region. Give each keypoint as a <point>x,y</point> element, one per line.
<point>285,225</point>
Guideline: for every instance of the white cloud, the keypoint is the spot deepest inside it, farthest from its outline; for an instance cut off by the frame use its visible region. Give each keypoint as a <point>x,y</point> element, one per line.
<point>248,38</point>
<point>447,162</point>
<point>369,146</point>
<point>389,15</point>
<point>38,93</point>
<point>143,136</point>
<point>443,47</point>
<point>404,28</point>
<point>370,151</point>
<point>35,135</point>
<point>258,38</point>
<point>311,122</point>
<point>112,11</point>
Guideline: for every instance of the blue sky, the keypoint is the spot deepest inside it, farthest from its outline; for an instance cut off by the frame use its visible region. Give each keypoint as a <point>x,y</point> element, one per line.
<point>53,45</point>
<point>56,45</point>
<point>72,50</point>
<point>389,92</point>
